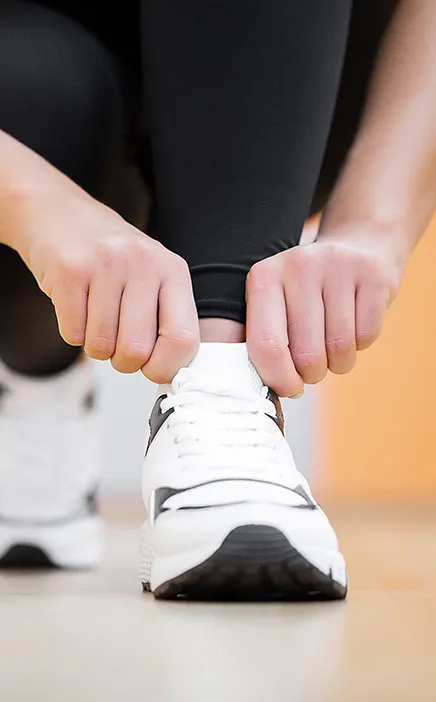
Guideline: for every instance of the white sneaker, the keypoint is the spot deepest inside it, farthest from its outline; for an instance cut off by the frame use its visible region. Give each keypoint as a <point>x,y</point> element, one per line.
<point>229,515</point>
<point>49,469</point>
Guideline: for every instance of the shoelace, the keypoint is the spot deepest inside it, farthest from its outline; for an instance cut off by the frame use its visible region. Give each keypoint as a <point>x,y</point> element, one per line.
<point>219,427</point>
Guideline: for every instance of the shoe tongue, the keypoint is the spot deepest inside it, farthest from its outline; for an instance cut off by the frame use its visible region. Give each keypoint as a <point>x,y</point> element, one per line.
<point>229,365</point>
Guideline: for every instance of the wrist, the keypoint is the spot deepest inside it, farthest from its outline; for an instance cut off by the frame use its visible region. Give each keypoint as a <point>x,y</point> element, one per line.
<point>24,204</point>
<point>372,192</point>
<point>17,203</point>
<point>28,184</point>
<point>387,238</point>
<point>13,201</point>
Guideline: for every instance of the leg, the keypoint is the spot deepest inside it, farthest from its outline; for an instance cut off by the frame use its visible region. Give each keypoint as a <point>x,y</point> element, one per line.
<point>241,97</point>
<point>69,111</point>
<point>241,100</point>
<point>58,95</point>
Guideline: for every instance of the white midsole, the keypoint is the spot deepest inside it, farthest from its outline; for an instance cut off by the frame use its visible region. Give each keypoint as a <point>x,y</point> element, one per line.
<point>75,544</point>
<point>180,540</point>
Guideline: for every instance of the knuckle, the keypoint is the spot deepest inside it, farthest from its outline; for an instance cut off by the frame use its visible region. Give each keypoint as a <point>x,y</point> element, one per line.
<point>180,264</point>
<point>317,377</point>
<point>366,338</point>
<point>133,351</point>
<point>72,267</point>
<point>374,265</point>
<point>117,364</point>
<point>389,281</point>
<point>72,337</point>
<point>178,268</point>
<point>123,366</point>
<point>290,388</point>
<point>270,347</point>
<point>140,250</point>
<point>113,249</point>
<point>157,376</point>
<point>342,366</point>
<point>110,251</point>
<point>182,340</point>
<point>339,346</point>
<point>303,257</point>
<point>375,270</point>
<point>295,393</point>
<point>263,272</point>
<point>337,254</point>
<point>100,347</point>
<point>308,360</point>
<point>305,260</point>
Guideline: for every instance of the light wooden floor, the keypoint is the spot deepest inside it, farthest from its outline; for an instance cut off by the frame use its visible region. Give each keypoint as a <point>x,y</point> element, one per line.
<point>95,637</point>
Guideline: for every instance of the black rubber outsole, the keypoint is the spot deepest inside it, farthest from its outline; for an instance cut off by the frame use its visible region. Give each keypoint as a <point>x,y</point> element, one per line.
<point>255,563</point>
<point>26,557</point>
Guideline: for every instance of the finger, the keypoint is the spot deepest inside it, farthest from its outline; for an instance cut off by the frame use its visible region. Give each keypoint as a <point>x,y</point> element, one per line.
<point>137,329</point>
<point>371,304</point>
<point>103,313</point>
<point>178,331</point>
<point>340,336</point>
<point>70,302</point>
<point>267,333</point>
<point>306,330</point>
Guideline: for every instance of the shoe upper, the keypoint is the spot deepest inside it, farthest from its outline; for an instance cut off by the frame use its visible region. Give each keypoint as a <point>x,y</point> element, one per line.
<point>216,439</point>
<point>49,449</point>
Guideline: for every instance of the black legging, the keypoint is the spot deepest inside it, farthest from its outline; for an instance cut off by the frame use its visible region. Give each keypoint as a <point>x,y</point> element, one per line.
<point>229,109</point>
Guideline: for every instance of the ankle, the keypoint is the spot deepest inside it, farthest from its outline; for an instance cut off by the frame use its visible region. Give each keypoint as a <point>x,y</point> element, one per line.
<point>221,330</point>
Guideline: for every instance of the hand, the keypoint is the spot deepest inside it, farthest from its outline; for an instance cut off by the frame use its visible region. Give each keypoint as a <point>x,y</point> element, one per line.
<point>313,307</point>
<point>116,291</point>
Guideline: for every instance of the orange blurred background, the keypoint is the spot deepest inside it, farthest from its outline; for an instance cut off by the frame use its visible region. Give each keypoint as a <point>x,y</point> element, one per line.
<point>378,424</point>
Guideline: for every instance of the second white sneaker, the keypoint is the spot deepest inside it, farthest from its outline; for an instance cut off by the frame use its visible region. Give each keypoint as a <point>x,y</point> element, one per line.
<point>49,469</point>
<point>229,515</point>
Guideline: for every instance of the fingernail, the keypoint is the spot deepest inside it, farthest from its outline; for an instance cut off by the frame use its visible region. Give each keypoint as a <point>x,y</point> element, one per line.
<point>295,397</point>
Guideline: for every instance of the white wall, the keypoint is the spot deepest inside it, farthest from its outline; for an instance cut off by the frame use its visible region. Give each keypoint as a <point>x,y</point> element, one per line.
<point>126,402</point>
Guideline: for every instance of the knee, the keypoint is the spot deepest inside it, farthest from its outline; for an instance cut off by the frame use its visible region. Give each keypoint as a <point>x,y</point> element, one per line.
<point>57,84</point>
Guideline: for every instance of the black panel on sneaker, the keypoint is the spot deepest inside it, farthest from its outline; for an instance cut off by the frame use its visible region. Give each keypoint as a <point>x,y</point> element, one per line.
<point>157,418</point>
<point>161,495</point>
<point>278,418</point>
<point>299,489</point>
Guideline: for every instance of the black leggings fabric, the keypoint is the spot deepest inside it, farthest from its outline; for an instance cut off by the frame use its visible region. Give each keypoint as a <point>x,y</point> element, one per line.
<point>236,114</point>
